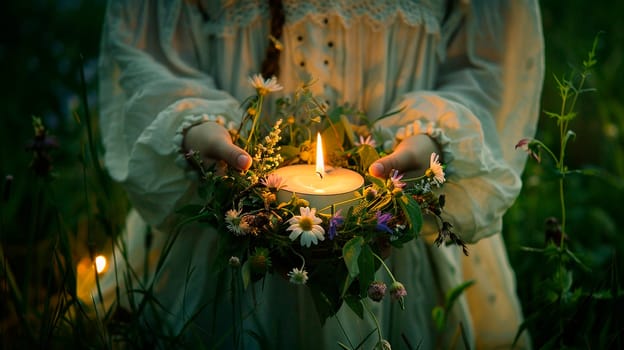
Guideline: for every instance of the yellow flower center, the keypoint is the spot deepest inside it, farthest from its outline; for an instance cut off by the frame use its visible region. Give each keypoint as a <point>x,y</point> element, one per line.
<point>263,91</point>
<point>429,173</point>
<point>306,224</point>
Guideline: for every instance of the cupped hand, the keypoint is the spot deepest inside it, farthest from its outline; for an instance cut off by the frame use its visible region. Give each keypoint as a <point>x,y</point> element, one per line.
<point>214,143</point>
<point>410,157</point>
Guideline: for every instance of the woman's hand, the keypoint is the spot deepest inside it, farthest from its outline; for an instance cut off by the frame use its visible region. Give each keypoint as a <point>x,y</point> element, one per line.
<point>411,157</point>
<point>214,143</point>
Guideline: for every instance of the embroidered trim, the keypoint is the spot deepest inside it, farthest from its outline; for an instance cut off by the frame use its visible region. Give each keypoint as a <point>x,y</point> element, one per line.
<point>375,13</point>
<point>188,122</point>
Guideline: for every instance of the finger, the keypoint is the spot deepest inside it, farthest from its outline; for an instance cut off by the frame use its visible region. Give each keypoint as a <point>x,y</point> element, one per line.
<point>399,160</point>
<point>219,146</point>
<point>233,155</point>
<point>410,155</point>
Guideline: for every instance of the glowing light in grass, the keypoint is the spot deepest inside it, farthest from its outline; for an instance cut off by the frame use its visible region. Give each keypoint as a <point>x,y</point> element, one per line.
<point>100,263</point>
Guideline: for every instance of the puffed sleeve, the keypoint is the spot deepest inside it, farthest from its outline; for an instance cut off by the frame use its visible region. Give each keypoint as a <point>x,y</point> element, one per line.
<point>486,99</point>
<point>149,86</point>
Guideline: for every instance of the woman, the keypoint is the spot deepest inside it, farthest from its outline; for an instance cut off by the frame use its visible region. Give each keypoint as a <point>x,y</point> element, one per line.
<point>467,74</point>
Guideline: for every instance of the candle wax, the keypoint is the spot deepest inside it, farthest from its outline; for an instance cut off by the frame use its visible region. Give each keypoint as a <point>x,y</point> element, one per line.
<point>336,185</point>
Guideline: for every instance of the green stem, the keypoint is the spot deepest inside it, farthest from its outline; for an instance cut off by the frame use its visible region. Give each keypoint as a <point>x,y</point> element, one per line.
<point>255,119</point>
<point>563,209</point>
<point>383,263</point>
<point>334,205</point>
<point>548,150</point>
<point>372,314</point>
<point>414,178</point>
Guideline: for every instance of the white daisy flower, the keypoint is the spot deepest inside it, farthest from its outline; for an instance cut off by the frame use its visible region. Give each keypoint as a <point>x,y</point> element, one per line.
<point>435,171</point>
<point>273,181</point>
<point>263,86</point>
<point>307,226</point>
<point>298,276</point>
<point>368,140</point>
<point>235,223</point>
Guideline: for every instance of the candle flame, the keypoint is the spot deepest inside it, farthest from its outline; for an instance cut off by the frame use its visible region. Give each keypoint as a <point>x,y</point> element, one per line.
<point>320,162</point>
<point>100,263</point>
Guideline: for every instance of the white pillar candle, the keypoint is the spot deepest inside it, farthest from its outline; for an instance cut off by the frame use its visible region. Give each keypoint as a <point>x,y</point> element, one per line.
<point>320,186</point>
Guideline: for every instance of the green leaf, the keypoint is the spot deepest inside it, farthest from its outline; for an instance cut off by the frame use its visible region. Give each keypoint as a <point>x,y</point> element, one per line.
<point>246,274</point>
<point>568,116</point>
<point>453,294</point>
<point>577,260</point>
<point>552,115</point>
<point>367,155</point>
<point>355,305</point>
<point>366,263</point>
<point>289,152</point>
<point>351,253</point>
<point>375,181</point>
<point>412,212</point>
<point>439,317</point>
<point>333,138</point>
<point>348,129</point>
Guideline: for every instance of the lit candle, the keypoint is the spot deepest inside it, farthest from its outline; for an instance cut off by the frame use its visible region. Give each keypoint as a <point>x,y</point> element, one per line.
<point>320,186</point>
<point>100,264</point>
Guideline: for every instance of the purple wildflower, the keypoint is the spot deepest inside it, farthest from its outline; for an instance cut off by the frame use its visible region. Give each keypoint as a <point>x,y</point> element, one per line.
<point>382,221</point>
<point>335,221</point>
<point>395,177</point>
<point>531,147</point>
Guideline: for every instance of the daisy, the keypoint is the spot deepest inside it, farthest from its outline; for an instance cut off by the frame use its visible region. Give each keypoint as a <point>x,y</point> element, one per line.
<point>366,141</point>
<point>273,181</point>
<point>395,177</point>
<point>263,86</point>
<point>435,171</point>
<point>307,226</point>
<point>235,223</point>
<point>298,276</point>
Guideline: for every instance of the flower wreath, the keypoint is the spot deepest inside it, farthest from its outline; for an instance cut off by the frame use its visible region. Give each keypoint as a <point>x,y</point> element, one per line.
<point>335,252</point>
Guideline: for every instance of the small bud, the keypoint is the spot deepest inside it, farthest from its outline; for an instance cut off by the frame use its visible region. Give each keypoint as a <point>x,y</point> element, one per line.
<point>370,194</point>
<point>397,290</point>
<point>260,261</point>
<point>234,261</point>
<point>377,290</point>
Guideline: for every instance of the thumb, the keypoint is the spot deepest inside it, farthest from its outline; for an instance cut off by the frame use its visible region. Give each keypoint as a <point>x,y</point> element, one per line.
<point>398,160</point>
<point>214,143</point>
<point>233,155</point>
<point>411,154</point>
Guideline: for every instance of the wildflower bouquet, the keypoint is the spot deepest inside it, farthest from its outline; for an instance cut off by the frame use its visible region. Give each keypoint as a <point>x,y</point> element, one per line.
<point>335,250</point>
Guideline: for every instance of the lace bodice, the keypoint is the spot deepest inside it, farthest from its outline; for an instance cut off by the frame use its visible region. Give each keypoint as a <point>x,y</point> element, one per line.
<point>224,15</point>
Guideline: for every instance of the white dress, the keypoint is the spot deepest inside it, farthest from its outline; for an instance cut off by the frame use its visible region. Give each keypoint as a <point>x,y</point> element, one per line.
<point>469,74</point>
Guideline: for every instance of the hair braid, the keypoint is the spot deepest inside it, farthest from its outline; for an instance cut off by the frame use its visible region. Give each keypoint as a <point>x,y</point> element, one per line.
<point>270,65</point>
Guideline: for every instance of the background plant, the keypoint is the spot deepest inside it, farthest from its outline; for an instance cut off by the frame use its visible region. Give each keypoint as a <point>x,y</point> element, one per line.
<point>571,287</point>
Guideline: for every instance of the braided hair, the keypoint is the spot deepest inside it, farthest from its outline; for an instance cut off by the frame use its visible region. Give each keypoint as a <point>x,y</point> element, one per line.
<point>270,64</point>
